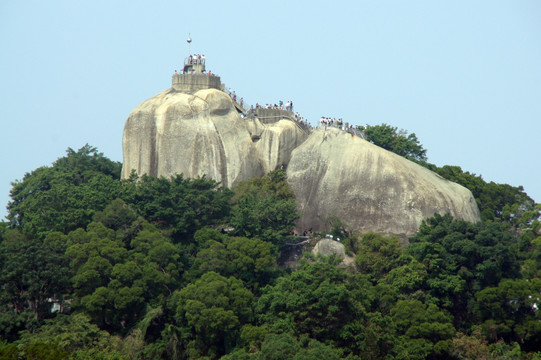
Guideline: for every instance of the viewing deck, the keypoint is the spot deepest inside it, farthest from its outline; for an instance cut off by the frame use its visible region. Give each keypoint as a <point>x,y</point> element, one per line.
<point>194,77</point>
<point>190,83</point>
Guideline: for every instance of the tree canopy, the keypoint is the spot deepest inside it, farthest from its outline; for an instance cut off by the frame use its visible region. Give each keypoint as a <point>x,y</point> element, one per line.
<point>397,141</point>
<point>65,196</point>
<point>94,267</point>
<point>265,208</point>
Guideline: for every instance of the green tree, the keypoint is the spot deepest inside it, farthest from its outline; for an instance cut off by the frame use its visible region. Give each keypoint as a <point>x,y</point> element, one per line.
<point>65,196</point>
<point>497,202</point>
<point>509,311</point>
<point>265,208</point>
<point>8,351</point>
<point>32,271</point>
<point>121,218</point>
<point>286,346</point>
<point>74,336</point>
<point>250,260</point>
<point>427,330</point>
<point>377,254</point>
<point>462,258</point>
<point>113,282</point>
<point>159,261</point>
<point>531,253</point>
<point>314,300</point>
<point>397,141</point>
<point>210,313</point>
<point>94,254</point>
<point>179,204</point>
<point>407,278</point>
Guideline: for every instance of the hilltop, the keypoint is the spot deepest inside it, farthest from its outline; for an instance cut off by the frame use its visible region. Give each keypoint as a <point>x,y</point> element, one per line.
<point>334,174</point>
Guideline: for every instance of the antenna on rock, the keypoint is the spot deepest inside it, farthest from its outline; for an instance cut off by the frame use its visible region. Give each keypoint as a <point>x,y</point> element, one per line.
<point>189,40</point>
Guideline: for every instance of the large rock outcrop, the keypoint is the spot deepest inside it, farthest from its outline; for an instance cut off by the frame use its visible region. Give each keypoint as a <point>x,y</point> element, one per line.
<point>203,134</point>
<point>333,174</point>
<point>337,175</point>
<point>328,247</point>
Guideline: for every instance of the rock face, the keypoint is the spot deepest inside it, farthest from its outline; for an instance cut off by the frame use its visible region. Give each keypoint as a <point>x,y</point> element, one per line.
<point>328,247</point>
<point>335,174</point>
<point>332,173</point>
<point>203,134</point>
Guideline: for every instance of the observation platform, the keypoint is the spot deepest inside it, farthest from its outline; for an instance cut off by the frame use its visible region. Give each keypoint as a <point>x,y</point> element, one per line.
<point>194,77</point>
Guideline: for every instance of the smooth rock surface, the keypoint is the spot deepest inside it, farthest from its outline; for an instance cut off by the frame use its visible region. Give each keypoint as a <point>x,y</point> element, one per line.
<point>203,134</point>
<point>328,247</point>
<point>335,174</point>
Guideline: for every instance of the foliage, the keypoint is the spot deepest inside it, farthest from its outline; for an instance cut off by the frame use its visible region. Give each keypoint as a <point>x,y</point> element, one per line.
<point>210,312</point>
<point>65,196</point>
<point>397,141</point>
<point>8,351</point>
<point>531,253</point>
<point>265,208</point>
<point>275,182</point>
<point>249,260</point>
<point>376,254</point>
<point>427,330</point>
<point>497,202</point>
<point>510,312</point>
<point>121,218</point>
<point>113,280</point>
<point>73,335</point>
<point>471,347</point>
<point>286,346</point>
<point>179,204</point>
<point>33,274</point>
<point>144,269</point>
<point>462,258</point>
<point>314,300</point>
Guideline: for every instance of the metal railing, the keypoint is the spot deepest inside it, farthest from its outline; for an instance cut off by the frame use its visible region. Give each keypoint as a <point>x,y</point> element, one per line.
<point>349,130</point>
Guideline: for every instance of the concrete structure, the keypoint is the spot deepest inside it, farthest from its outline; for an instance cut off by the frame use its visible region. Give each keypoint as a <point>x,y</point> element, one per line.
<point>194,77</point>
<point>270,116</point>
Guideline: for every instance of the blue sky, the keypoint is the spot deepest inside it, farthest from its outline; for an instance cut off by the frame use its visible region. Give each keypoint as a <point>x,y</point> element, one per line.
<point>464,76</point>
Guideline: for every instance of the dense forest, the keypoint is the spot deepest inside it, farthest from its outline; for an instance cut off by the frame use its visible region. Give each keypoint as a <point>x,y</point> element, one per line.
<point>95,267</point>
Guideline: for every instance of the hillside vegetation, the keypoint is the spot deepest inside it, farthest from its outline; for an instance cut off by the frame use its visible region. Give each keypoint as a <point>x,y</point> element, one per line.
<point>94,267</point>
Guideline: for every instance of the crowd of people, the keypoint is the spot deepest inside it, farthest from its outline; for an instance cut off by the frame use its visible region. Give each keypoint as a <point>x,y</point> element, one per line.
<point>327,121</point>
<point>288,106</point>
<point>196,59</point>
<point>233,95</point>
<point>301,120</point>
<point>192,71</point>
<point>280,106</point>
<point>340,124</point>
